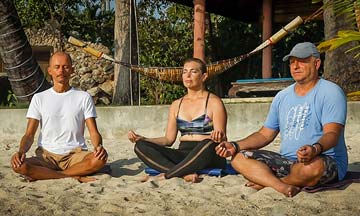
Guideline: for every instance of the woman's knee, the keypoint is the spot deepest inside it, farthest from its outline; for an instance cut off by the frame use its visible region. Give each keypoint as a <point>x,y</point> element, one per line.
<point>140,145</point>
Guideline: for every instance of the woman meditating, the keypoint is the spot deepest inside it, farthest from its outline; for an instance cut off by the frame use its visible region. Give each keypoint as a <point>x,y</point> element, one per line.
<point>200,116</point>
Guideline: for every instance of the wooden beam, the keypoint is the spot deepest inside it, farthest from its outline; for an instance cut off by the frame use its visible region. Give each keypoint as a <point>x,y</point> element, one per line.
<point>266,34</point>
<point>199,29</point>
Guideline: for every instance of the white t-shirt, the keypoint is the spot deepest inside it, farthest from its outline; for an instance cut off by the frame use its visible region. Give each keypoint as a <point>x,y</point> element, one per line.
<point>62,118</point>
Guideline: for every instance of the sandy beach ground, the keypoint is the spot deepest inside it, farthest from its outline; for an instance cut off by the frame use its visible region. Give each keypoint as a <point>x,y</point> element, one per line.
<point>122,193</point>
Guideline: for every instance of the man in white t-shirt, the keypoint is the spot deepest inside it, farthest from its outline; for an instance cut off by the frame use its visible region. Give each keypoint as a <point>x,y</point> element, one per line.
<point>62,112</point>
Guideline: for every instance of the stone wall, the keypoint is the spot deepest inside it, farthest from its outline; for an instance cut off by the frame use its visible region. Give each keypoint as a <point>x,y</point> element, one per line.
<point>93,75</point>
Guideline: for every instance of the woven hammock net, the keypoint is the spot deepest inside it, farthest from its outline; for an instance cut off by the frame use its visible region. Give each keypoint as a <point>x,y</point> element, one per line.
<point>173,74</point>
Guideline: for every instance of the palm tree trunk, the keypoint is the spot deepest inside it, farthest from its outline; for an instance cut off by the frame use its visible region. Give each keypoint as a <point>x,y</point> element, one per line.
<point>340,67</point>
<point>24,73</point>
<point>126,90</point>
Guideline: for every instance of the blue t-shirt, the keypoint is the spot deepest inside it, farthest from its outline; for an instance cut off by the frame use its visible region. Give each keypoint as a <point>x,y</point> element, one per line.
<point>300,119</point>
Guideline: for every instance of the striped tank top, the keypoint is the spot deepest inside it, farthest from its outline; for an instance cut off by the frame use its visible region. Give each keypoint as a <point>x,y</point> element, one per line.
<point>202,125</point>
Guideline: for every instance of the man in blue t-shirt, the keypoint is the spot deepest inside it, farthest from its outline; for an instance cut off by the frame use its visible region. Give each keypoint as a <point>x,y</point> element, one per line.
<point>310,116</point>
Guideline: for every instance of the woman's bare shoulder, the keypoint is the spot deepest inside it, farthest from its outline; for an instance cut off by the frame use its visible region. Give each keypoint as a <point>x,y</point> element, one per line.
<point>213,98</point>
<point>175,105</point>
<point>176,102</point>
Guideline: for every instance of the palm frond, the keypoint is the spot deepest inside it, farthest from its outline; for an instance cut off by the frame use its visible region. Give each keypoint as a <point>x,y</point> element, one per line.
<point>352,49</point>
<point>344,8</point>
<point>343,37</point>
<point>316,1</point>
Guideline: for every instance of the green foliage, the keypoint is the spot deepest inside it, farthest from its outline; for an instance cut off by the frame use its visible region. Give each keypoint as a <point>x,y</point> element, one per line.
<point>342,7</point>
<point>87,22</point>
<point>156,92</point>
<point>32,13</point>
<point>231,38</point>
<point>312,31</point>
<point>11,100</point>
<point>82,18</point>
<point>346,8</point>
<point>343,37</point>
<point>165,38</point>
<point>165,33</point>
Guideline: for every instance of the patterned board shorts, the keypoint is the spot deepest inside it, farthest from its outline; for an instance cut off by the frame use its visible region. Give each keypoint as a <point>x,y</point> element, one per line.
<point>281,166</point>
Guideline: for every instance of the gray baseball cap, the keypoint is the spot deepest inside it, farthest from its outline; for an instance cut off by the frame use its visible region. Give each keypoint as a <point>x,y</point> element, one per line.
<point>303,50</point>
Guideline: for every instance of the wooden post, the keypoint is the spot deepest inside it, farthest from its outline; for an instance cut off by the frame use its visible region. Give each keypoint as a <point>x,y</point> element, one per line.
<point>199,29</point>
<point>267,30</point>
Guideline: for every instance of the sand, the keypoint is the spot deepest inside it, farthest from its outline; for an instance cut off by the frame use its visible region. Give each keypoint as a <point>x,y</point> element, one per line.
<point>122,192</point>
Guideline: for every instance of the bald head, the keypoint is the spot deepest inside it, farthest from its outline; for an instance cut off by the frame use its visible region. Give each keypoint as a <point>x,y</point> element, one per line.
<point>60,69</point>
<point>60,53</point>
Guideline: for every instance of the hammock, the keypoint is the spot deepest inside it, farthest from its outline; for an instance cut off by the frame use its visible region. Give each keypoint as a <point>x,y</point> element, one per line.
<point>173,74</point>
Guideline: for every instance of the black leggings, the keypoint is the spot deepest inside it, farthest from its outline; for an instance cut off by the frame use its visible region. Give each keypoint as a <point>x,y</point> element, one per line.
<point>191,157</point>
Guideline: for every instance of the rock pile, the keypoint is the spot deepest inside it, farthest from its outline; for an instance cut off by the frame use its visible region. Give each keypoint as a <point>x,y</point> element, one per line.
<point>93,75</point>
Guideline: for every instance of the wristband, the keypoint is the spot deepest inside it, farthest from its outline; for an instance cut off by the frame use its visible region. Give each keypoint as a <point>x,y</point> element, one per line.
<point>316,149</point>
<point>235,145</point>
<point>321,147</point>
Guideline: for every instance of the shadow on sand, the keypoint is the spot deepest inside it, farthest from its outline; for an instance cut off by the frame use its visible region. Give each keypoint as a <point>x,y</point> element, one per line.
<point>116,168</point>
<point>354,167</point>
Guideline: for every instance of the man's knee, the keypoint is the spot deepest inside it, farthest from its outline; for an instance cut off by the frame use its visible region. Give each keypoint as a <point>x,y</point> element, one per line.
<point>237,160</point>
<point>96,164</point>
<point>313,170</point>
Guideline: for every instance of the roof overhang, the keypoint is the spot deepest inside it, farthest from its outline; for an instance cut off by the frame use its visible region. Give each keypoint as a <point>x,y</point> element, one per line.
<point>251,10</point>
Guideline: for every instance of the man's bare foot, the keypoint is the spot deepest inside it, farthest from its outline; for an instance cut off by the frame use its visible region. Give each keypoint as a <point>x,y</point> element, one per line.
<point>289,190</point>
<point>84,179</point>
<point>254,186</point>
<point>27,178</point>
<point>194,178</point>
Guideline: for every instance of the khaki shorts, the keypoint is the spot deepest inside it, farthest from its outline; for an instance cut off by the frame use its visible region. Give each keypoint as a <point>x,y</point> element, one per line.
<point>59,162</point>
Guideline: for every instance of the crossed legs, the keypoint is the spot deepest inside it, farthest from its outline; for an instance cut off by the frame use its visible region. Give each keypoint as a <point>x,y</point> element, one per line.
<point>261,175</point>
<point>34,169</point>
<point>184,162</point>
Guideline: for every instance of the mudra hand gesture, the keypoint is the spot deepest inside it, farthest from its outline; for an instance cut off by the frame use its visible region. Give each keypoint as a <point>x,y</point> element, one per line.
<point>133,137</point>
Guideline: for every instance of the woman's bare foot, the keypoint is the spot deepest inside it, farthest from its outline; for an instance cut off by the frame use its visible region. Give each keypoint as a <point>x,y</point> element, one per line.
<point>254,186</point>
<point>145,178</point>
<point>194,178</point>
<point>159,177</point>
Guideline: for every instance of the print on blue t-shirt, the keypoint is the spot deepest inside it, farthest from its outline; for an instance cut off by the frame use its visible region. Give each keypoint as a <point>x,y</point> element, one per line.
<point>297,119</point>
